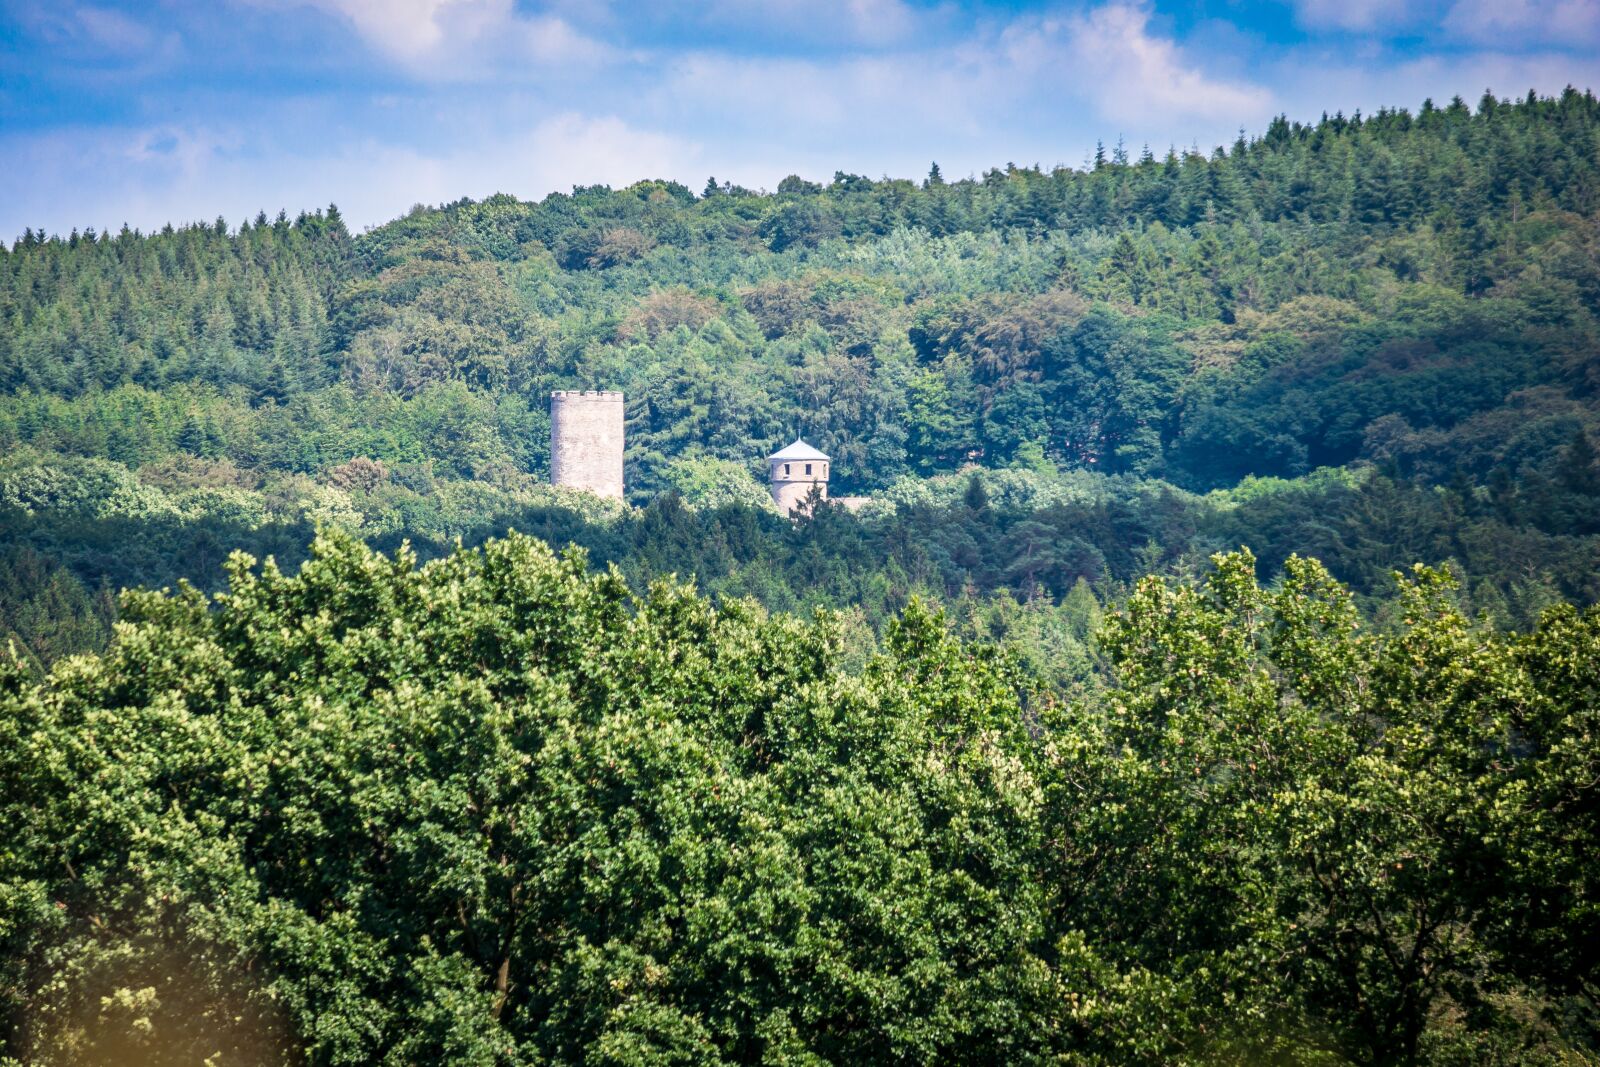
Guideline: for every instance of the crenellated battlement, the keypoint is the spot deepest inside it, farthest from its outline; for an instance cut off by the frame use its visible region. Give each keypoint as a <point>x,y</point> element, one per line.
<point>587,394</point>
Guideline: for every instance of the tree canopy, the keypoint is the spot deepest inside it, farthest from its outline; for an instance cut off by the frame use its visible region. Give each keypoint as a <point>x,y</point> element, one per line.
<point>498,809</point>
<point>1369,339</point>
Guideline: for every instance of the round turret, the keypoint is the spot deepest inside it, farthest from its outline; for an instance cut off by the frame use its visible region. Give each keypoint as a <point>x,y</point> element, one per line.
<point>586,441</point>
<point>793,472</point>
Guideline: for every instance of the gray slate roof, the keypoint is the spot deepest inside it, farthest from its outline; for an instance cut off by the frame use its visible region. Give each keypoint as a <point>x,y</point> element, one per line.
<point>798,450</point>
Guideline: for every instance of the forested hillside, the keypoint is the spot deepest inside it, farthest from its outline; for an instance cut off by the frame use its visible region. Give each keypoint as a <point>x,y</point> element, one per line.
<point>1062,750</point>
<point>1372,338</point>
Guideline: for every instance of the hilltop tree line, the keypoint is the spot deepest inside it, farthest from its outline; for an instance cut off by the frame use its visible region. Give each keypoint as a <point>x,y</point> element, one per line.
<point>1408,298</point>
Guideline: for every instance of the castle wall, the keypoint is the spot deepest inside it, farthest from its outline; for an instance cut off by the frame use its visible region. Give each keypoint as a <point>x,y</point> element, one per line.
<point>790,492</point>
<point>586,441</point>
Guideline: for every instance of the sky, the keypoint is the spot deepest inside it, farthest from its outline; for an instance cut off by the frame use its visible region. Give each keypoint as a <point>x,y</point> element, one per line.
<point>183,110</point>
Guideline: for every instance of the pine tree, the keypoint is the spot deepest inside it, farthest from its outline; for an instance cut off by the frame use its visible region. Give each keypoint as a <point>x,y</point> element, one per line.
<point>1579,468</point>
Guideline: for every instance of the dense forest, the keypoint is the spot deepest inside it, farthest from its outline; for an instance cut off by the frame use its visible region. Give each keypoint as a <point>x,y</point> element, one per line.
<point>1371,339</point>
<point>497,809</point>
<point>1212,676</point>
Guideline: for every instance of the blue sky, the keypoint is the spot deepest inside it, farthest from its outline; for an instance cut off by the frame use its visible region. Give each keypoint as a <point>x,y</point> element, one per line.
<point>174,111</point>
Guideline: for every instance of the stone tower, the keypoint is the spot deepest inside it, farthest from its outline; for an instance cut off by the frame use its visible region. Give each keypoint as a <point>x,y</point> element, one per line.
<point>793,471</point>
<point>586,441</point>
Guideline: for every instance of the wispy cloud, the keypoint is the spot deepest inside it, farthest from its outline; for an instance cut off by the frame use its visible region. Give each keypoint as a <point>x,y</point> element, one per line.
<point>1314,81</point>
<point>859,22</point>
<point>1110,56</point>
<point>456,39</point>
<point>1491,24</point>
<point>1361,15</point>
<point>803,99</point>
<point>88,33</point>
<point>114,31</point>
<point>187,173</point>
<point>1502,23</point>
<point>1106,62</point>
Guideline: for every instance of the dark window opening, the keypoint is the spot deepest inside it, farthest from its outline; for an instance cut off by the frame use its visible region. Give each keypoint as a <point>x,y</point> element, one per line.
<point>808,468</point>
<point>786,468</point>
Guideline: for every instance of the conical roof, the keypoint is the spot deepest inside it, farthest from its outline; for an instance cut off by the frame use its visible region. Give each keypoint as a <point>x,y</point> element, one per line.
<point>798,450</point>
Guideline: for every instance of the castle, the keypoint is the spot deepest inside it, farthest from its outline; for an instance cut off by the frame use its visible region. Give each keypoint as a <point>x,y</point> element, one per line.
<point>586,441</point>
<point>586,445</point>
<point>793,472</point>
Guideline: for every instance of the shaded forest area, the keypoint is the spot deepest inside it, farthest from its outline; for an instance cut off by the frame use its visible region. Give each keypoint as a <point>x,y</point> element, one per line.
<point>1372,339</point>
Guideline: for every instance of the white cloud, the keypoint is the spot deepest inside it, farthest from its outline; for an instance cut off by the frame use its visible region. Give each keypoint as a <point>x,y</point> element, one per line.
<point>1109,55</point>
<point>460,39</point>
<point>80,33</point>
<point>1026,73</point>
<point>1359,15</point>
<point>1496,24</point>
<point>410,29</point>
<point>574,149</point>
<point>1502,23</point>
<point>806,99</point>
<point>172,174</point>
<point>776,26</point>
<point>113,30</point>
<point>1313,82</point>
<point>865,22</point>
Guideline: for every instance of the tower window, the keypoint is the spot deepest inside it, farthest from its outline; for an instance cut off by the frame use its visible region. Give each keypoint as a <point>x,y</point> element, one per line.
<point>785,468</point>
<point>808,468</point>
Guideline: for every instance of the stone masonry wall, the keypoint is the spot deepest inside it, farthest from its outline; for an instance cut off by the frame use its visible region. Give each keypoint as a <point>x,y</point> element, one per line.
<point>790,491</point>
<point>586,441</point>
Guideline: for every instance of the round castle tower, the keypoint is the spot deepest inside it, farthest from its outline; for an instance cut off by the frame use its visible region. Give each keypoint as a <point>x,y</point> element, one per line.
<point>586,441</point>
<point>793,472</point>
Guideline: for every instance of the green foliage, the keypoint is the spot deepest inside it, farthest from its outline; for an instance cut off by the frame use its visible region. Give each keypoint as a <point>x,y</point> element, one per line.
<point>714,483</point>
<point>1400,287</point>
<point>1406,301</point>
<point>496,808</point>
<point>1321,834</point>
